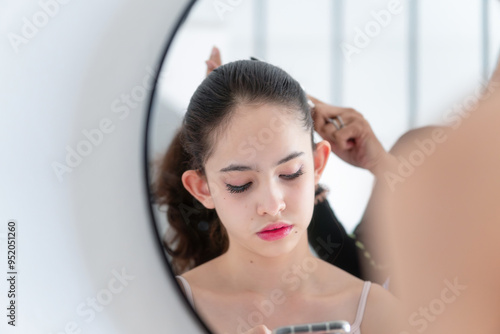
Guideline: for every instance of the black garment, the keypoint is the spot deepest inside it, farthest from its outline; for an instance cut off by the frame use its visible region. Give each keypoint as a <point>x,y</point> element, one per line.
<point>329,239</point>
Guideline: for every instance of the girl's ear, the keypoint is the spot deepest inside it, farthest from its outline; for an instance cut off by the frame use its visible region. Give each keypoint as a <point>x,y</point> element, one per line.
<point>197,185</point>
<point>321,155</point>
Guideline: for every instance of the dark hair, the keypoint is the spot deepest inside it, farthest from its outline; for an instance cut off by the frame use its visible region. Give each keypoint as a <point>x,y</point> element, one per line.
<point>196,234</point>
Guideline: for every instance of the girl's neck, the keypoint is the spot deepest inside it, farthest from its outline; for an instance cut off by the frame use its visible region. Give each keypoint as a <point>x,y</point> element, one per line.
<point>290,273</point>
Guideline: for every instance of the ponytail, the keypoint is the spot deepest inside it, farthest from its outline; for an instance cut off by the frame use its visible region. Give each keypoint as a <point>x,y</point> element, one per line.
<point>195,234</point>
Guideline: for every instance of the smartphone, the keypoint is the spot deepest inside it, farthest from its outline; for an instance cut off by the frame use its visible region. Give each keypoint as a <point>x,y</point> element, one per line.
<point>330,327</point>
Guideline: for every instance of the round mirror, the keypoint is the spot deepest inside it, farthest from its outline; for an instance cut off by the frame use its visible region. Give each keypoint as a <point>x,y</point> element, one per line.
<point>402,64</point>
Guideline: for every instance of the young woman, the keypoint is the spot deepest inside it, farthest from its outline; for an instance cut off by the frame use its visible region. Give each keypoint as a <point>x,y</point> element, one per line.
<point>239,181</point>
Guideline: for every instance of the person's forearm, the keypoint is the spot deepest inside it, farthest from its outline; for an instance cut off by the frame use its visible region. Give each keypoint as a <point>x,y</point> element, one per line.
<point>387,164</point>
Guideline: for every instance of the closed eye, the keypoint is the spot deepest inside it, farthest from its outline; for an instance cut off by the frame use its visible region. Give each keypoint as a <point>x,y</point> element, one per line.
<point>237,189</point>
<point>294,175</point>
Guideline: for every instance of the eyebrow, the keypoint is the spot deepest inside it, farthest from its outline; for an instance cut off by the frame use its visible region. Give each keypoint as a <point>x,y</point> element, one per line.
<point>242,168</point>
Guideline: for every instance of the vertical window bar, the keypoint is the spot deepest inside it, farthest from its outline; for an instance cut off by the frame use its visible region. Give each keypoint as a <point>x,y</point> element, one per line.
<point>260,29</point>
<point>413,63</point>
<point>337,61</point>
<point>485,21</point>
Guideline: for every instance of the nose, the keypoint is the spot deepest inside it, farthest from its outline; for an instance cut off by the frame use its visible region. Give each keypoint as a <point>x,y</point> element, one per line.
<point>270,201</point>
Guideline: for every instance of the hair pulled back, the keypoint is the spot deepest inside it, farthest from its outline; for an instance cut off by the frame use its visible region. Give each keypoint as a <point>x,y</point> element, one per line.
<point>196,234</point>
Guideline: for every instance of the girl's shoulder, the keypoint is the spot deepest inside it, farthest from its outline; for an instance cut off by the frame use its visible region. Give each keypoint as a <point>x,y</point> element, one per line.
<point>337,279</point>
<point>382,311</point>
<point>202,276</point>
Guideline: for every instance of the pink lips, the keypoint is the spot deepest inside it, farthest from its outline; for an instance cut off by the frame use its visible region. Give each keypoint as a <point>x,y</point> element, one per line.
<point>275,231</point>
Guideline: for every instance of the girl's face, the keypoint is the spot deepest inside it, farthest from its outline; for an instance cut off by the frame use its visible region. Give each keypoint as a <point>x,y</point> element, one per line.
<point>261,175</point>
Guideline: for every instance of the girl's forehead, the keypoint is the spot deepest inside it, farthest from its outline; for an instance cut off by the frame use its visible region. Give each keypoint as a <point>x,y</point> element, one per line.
<point>261,118</point>
<point>258,137</point>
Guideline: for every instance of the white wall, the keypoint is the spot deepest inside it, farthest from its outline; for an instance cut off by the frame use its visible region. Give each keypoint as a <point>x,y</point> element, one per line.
<point>76,234</point>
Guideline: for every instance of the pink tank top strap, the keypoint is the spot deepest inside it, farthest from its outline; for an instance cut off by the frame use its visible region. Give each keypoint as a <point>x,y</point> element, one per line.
<point>355,327</point>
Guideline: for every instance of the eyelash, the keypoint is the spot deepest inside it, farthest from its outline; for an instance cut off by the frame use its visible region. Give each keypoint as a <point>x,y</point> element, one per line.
<point>239,189</point>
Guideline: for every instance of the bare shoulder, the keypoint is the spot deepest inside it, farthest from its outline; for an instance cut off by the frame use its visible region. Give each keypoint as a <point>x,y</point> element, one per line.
<point>382,308</point>
<point>381,312</point>
<point>338,285</point>
<point>202,276</point>
<point>336,277</point>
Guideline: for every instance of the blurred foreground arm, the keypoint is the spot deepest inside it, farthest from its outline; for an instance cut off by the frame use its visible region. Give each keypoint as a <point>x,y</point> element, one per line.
<point>445,230</point>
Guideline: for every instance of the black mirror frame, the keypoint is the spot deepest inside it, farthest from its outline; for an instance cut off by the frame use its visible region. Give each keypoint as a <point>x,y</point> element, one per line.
<point>146,165</point>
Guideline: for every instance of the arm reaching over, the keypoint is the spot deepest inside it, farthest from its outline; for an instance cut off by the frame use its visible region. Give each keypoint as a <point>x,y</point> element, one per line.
<point>445,233</point>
